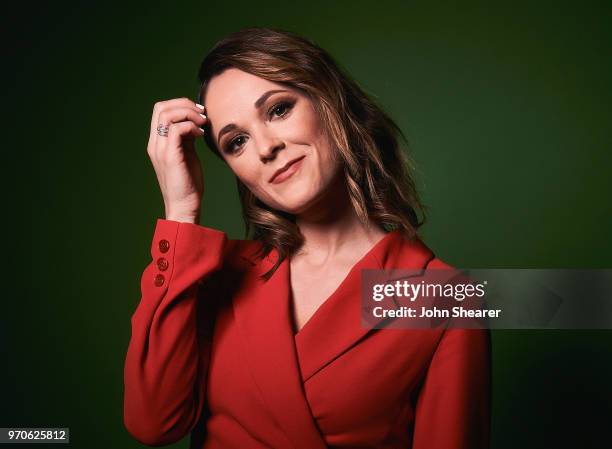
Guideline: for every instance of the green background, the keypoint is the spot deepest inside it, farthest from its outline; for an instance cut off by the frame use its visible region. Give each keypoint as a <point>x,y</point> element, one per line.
<point>507,109</point>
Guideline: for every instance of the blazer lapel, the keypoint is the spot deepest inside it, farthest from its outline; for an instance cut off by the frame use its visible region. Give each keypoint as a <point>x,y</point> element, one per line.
<point>336,326</point>
<point>261,309</point>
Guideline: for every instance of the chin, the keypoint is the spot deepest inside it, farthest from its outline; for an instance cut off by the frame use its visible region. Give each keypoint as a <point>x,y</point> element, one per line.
<point>299,195</point>
<point>293,202</point>
<point>293,207</point>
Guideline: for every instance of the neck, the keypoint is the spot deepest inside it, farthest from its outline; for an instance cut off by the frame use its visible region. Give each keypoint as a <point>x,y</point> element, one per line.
<point>332,230</point>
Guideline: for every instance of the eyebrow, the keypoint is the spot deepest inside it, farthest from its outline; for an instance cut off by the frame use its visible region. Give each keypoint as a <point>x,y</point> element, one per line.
<point>257,105</point>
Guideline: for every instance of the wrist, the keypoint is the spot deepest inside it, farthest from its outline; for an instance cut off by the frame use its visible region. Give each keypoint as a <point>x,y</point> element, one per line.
<point>194,219</point>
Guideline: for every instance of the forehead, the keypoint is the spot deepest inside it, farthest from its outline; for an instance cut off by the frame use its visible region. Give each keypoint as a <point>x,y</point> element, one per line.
<point>234,89</point>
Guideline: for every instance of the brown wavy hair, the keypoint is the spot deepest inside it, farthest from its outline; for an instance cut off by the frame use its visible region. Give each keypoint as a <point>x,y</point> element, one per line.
<point>377,171</point>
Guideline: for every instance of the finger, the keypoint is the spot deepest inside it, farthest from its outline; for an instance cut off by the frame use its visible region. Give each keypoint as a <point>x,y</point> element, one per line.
<point>182,130</point>
<point>171,104</point>
<point>158,108</point>
<point>180,114</point>
<point>171,117</point>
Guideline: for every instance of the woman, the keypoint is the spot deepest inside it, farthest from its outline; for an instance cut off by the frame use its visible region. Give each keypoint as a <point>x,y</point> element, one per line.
<point>258,343</point>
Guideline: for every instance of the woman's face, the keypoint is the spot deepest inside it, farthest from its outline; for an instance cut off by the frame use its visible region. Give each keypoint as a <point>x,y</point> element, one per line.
<point>262,128</point>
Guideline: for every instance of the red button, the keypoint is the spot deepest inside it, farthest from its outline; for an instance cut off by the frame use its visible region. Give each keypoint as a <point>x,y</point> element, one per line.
<point>162,264</point>
<point>159,280</point>
<point>164,245</point>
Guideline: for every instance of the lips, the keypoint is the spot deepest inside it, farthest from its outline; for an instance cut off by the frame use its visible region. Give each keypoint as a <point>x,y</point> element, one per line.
<point>285,171</point>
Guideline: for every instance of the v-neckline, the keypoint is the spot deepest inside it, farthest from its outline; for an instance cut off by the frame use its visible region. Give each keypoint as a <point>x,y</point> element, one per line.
<point>368,255</point>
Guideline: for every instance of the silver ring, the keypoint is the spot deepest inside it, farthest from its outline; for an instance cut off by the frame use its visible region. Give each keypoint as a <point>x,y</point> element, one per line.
<point>162,130</point>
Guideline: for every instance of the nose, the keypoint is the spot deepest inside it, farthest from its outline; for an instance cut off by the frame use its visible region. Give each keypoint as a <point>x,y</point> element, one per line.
<point>269,147</point>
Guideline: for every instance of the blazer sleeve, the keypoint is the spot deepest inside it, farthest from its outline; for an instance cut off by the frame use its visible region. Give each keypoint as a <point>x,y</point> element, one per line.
<point>453,406</point>
<point>164,371</point>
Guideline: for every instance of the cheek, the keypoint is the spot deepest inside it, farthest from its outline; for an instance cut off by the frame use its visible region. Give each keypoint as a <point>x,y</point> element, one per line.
<point>249,176</point>
<point>316,133</point>
<point>244,171</point>
<point>310,123</point>
<point>328,155</point>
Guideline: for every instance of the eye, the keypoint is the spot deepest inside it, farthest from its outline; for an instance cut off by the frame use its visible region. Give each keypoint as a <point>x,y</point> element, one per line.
<point>230,146</point>
<point>280,109</point>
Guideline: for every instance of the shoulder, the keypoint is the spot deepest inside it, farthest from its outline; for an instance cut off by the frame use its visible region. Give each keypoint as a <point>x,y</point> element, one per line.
<point>412,253</point>
<point>438,264</point>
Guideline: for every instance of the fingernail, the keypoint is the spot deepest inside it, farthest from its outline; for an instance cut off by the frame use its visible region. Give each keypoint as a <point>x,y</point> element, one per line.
<point>200,106</point>
<point>202,129</point>
<point>202,115</point>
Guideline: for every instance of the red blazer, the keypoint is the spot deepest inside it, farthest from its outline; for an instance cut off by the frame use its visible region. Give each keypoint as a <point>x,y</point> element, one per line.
<point>213,353</point>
